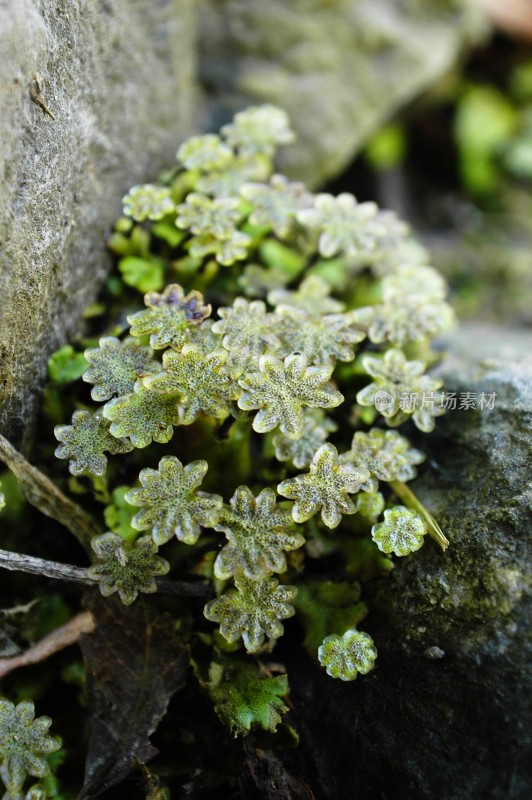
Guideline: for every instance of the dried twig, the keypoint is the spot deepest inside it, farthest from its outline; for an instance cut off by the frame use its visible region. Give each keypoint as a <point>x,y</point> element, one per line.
<point>57,640</point>
<point>409,499</point>
<point>37,95</point>
<point>18,562</point>
<point>44,495</point>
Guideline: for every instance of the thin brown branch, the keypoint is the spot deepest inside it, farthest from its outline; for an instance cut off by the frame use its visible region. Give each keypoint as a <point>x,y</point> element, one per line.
<point>57,640</point>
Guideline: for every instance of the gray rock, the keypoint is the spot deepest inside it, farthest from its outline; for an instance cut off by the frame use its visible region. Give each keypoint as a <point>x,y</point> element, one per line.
<point>340,68</point>
<point>479,488</point>
<point>118,76</point>
<point>446,712</point>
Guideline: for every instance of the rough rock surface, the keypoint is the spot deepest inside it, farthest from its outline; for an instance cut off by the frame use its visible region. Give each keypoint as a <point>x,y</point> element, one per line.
<point>340,68</point>
<point>118,76</point>
<point>446,712</point>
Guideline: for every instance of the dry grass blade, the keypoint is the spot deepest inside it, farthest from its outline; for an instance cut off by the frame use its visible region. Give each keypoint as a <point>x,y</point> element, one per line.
<point>44,495</point>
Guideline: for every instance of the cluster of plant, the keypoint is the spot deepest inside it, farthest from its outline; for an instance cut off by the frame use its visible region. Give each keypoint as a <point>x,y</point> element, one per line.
<point>244,421</point>
<point>25,745</point>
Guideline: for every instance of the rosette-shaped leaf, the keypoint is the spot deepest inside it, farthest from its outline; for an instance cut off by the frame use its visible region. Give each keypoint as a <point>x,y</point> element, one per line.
<point>126,568</point>
<point>301,451</point>
<point>246,697</point>
<point>115,366</point>
<point>344,226</point>
<point>257,281</point>
<point>170,503</point>
<point>24,744</point>
<point>404,319</point>
<point>167,316</point>
<point>203,215</point>
<point>412,307</point>
<point>259,129</point>
<point>36,792</point>
<point>401,390</point>
<point>148,202</point>
<point>226,182</point>
<point>414,281</point>
<point>258,534</point>
<point>204,337</point>
<point>327,485</point>
<point>199,379</point>
<point>143,416</point>
<point>282,389</point>
<point>312,295</point>
<point>322,340</point>
<point>205,153</point>
<point>386,454</point>
<point>85,442</point>
<point>277,203</point>
<point>247,328</point>
<point>225,251</point>
<point>394,247</point>
<point>252,611</point>
<point>214,223</point>
<point>402,531</point>
<point>345,656</point>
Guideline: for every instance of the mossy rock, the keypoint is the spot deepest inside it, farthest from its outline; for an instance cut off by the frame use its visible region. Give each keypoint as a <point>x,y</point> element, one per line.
<point>446,711</point>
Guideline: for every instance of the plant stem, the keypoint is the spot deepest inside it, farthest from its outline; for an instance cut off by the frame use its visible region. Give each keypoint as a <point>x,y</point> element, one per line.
<point>52,643</point>
<point>19,562</point>
<point>199,589</point>
<point>411,501</point>
<point>66,572</point>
